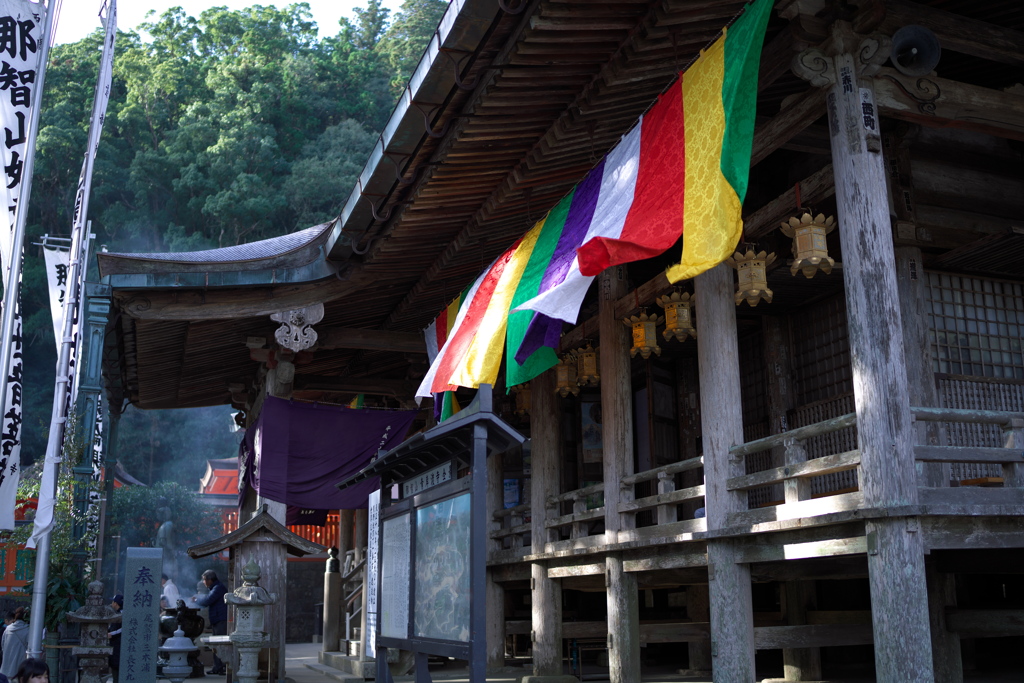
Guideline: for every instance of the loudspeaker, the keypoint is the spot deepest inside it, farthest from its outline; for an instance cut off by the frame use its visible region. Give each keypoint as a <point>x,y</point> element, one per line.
<point>915,50</point>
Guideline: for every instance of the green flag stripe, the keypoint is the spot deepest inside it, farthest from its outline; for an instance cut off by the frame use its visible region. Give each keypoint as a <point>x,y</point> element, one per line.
<point>743,42</point>
<point>529,287</point>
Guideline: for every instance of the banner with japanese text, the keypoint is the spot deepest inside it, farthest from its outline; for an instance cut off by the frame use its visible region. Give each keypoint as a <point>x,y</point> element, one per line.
<point>20,35</point>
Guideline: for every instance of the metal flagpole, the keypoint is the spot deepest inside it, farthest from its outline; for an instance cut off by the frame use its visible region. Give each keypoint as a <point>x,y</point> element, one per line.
<point>76,270</point>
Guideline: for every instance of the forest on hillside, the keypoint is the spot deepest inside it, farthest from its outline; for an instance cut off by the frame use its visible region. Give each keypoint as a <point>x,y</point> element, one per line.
<point>229,127</point>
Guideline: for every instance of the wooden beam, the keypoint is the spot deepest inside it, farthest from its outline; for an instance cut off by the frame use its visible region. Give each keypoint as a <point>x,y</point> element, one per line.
<point>398,388</point>
<point>812,635</point>
<point>833,568</point>
<point>370,340</point>
<point>958,33</point>
<point>212,304</point>
<point>801,112</point>
<point>800,551</point>
<point>939,102</point>
<point>815,188</point>
<point>985,622</point>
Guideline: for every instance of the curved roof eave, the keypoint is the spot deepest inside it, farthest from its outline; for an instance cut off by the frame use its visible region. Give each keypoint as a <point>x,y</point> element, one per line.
<point>294,258</point>
<point>462,30</point>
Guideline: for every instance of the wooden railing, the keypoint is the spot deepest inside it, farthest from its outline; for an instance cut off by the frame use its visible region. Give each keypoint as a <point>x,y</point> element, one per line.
<point>667,500</point>
<point>1008,459</point>
<point>795,476</point>
<point>582,516</point>
<point>797,472</point>
<point>511,528</point>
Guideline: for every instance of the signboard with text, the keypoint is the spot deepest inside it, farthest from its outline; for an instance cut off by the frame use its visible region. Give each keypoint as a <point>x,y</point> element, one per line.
<point>141,616</point>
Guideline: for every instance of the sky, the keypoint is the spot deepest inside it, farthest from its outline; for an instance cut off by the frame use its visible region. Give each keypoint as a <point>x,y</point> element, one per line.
<point>78,18</point>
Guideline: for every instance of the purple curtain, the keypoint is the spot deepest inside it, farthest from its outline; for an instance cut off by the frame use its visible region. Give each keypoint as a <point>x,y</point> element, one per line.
<point>297,452</point>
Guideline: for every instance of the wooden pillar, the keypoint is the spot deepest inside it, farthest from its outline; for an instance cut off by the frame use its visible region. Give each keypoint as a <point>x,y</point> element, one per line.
<point>949,666</point>
<point>617,440</point>
<point>495,591</point>
<point>698,609</point>
<point>921,388</point>
<point>899,600</point>
<point>360,533</point>
<point>732,614</point>
<point>545,592</point>
<point>800,664</point>
<point>346,528</point>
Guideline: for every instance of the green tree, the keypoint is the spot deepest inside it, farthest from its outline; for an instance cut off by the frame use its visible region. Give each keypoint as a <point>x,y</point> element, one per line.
<point>232,126</point>
<point>326,170</point>
<point>135,517</point>
<point>404,41</point>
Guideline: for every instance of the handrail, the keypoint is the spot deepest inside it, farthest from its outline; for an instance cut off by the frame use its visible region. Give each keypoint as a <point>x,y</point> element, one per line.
<point>508,512</point>
<point>352,572</point>
<point>672,468</point>
<point>577,493</point>
<point>353,595</point>
<point>996,417</point>
<point>800,433</point>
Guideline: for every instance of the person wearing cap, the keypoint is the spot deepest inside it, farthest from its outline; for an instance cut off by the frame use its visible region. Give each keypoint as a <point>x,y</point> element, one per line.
<point>218,613</point>
<point>114,634</point>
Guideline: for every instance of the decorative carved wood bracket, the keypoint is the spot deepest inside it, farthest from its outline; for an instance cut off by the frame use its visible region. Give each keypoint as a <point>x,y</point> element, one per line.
<point>815,65</point>
<point>296,332</point>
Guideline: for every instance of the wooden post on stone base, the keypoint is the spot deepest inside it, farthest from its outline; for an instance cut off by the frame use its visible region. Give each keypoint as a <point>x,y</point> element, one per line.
<point>896,572</point>
<point>545,592</point>
<point>732,612</point>
<point>617,440</point>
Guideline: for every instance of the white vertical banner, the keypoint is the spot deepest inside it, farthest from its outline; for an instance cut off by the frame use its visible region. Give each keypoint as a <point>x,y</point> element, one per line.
<point>20,36</point>
<point>372,560</point>
<point>10,437</point>
<point>76,274</point>
<point>56,261</point>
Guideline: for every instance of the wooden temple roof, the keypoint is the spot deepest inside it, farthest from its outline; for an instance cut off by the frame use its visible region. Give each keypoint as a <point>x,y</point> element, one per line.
<point>508,109</point>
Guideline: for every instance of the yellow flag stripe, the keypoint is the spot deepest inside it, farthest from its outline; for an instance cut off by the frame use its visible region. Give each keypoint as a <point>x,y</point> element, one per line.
<point>711,214</point>
<point>483,357</point>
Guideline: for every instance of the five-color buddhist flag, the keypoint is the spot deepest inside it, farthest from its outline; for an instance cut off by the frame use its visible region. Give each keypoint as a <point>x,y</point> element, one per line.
<point>471,355</point>
<point>681,171</point>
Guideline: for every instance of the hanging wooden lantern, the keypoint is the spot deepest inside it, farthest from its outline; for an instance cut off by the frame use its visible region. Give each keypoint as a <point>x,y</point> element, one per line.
<point>645,334</point>
<point>751,275</point>
<point>524,398</point>
<point>678,316</point>
<point>587,373</point>
<point>565,376</point>
<point>810,252</point>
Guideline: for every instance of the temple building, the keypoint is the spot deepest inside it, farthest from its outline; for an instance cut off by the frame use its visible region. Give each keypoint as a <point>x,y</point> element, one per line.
<point>813,469</point>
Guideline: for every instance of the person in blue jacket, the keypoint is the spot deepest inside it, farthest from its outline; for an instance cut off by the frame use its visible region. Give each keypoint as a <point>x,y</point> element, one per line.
<point>218,613</point>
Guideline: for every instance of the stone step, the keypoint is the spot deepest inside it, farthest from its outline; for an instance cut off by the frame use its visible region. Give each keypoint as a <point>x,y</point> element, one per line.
<point>348,664</point>
<point>334,674</point>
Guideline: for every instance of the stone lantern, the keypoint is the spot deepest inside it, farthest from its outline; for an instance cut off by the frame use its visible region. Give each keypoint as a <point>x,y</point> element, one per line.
<point>93,651</point>
<point>249,637</point>
<point>178,648</point>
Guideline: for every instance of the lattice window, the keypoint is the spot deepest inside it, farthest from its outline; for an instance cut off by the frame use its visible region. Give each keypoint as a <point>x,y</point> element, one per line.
<point>753,388</point>
<point>978,394</point>
<point>821,351</point>
<point>24,565</point>
<point>977,326</point>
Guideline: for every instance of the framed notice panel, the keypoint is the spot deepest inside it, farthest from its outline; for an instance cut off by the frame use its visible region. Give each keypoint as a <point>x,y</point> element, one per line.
<point>432,538</point>
<point>442,570</point>
<point>394,606</point>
